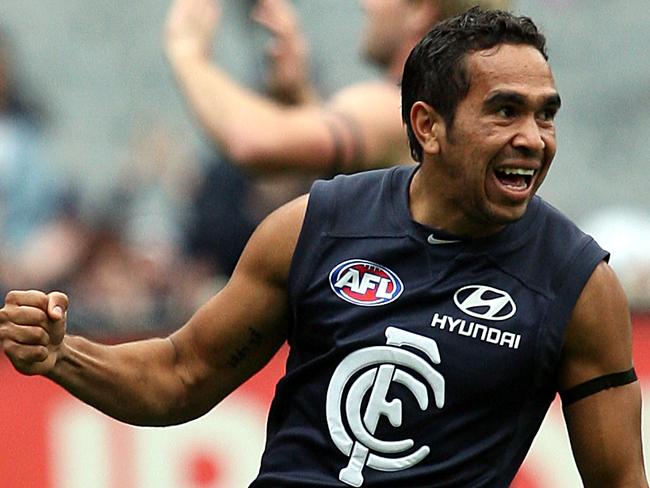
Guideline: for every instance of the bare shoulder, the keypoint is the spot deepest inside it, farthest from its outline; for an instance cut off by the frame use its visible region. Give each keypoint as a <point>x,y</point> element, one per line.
<point>598,339</point>
<point>369,100</point>
<point>364,92</point>
<point>374,109</point>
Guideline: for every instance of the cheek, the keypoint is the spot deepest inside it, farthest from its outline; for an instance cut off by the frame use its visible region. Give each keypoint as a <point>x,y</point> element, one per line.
<point>551,147</point>
<point>549,138</point>
<point>463,164</point>
<point>549,155</point>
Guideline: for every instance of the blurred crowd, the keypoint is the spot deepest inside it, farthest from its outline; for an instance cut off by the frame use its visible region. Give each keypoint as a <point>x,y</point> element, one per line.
<point>132,245</point>
<point>148,239</point>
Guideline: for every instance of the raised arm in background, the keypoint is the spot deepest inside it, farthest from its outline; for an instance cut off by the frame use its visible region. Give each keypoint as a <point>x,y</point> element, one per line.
<point>359,128</point>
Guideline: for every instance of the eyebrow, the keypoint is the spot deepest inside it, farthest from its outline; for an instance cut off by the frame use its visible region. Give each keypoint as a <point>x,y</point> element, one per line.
<point>515,98</point>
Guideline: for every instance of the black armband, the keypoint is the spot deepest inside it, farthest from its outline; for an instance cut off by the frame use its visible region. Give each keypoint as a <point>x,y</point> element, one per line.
<point>339,151</point>
<point>340,157</point>
<point>595,385</point>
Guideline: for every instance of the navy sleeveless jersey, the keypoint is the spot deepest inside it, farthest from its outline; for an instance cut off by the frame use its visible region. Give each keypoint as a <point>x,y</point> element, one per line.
<point>416,362</point>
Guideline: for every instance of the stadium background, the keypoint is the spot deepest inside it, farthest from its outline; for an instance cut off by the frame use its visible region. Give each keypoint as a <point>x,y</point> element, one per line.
<point>98,69</point>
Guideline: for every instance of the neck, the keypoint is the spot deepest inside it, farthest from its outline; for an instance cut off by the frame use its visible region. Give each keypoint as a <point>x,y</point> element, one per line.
<point>432,206</point>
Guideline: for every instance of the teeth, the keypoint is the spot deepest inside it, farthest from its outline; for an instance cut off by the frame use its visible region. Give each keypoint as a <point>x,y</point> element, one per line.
<point>518,171</point>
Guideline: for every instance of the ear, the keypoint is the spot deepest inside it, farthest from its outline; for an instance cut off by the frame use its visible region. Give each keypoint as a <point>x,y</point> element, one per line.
<point>427,126</point>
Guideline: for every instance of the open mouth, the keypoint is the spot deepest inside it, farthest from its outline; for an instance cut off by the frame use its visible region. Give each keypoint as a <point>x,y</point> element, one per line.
<point>517,179</point>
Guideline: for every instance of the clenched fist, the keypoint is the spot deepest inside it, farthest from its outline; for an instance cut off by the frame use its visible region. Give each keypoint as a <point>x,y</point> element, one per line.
<point>32,327</point>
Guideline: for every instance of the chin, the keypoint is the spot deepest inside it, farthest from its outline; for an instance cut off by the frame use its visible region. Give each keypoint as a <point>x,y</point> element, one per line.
<point>509,215</point>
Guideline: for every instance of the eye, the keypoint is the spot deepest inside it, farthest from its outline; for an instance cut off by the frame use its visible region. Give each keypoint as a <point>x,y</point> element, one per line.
<point>507,112</point>
<point>547,115</point>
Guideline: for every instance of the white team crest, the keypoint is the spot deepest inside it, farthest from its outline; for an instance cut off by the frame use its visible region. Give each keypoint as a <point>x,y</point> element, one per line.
<point>381,369</point>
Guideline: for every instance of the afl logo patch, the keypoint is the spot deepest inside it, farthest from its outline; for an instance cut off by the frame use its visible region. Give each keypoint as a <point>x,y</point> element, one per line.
<point>365,283</point>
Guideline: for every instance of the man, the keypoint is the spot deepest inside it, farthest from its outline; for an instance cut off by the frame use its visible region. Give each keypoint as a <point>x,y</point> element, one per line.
<point>432,312</point>
<point>359,128</point>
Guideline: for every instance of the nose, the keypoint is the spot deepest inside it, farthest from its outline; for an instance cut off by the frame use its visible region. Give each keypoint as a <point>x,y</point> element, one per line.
<point>529,136</point>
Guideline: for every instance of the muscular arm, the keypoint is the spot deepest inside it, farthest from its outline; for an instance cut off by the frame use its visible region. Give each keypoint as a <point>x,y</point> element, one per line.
<point>168,380</point>
<point>604,428</point>
<point>360,128</point>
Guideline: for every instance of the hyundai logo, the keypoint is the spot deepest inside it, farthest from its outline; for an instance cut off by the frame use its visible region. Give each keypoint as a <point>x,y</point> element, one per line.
<point>485,302</point>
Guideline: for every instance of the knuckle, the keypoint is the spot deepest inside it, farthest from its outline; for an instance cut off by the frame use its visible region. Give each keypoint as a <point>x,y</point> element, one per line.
<point>43,338</point>
<point>39,354</point>
<point>11,297</point>
<point>28,355</point>
<point>28,335</point>
<point>20,353</point>
<point>41,317</point>
<point>14,351</point>
<point>25,316</point>
<point>39,297</point>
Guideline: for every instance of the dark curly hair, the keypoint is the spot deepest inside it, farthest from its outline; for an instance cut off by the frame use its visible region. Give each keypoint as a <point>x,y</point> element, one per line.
<point>436,71</point>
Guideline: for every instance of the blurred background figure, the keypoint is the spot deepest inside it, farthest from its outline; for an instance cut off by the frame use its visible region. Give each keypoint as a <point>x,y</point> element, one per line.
<point>231,200</point>
<point>274,139</point>
<point>37,241</point>
<point>358,127</point>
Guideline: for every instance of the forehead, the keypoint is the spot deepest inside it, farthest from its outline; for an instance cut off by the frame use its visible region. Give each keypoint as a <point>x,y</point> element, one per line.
<point>520,68</point>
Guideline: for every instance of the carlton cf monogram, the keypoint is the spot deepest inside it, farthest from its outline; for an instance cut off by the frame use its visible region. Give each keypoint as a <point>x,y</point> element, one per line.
<point>485,302</point>
<point>370,372</point>
<point>365,283</point>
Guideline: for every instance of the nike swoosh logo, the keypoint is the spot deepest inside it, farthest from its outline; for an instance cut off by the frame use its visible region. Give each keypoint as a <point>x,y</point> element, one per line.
<point>433,240</point>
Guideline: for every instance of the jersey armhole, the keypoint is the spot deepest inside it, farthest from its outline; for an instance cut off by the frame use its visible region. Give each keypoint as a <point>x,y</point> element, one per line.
<point>304,257</point>
<point>575,275</point>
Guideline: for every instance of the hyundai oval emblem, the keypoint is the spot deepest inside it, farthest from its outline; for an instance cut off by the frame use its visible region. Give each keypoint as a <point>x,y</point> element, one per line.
<point>485,302</point>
